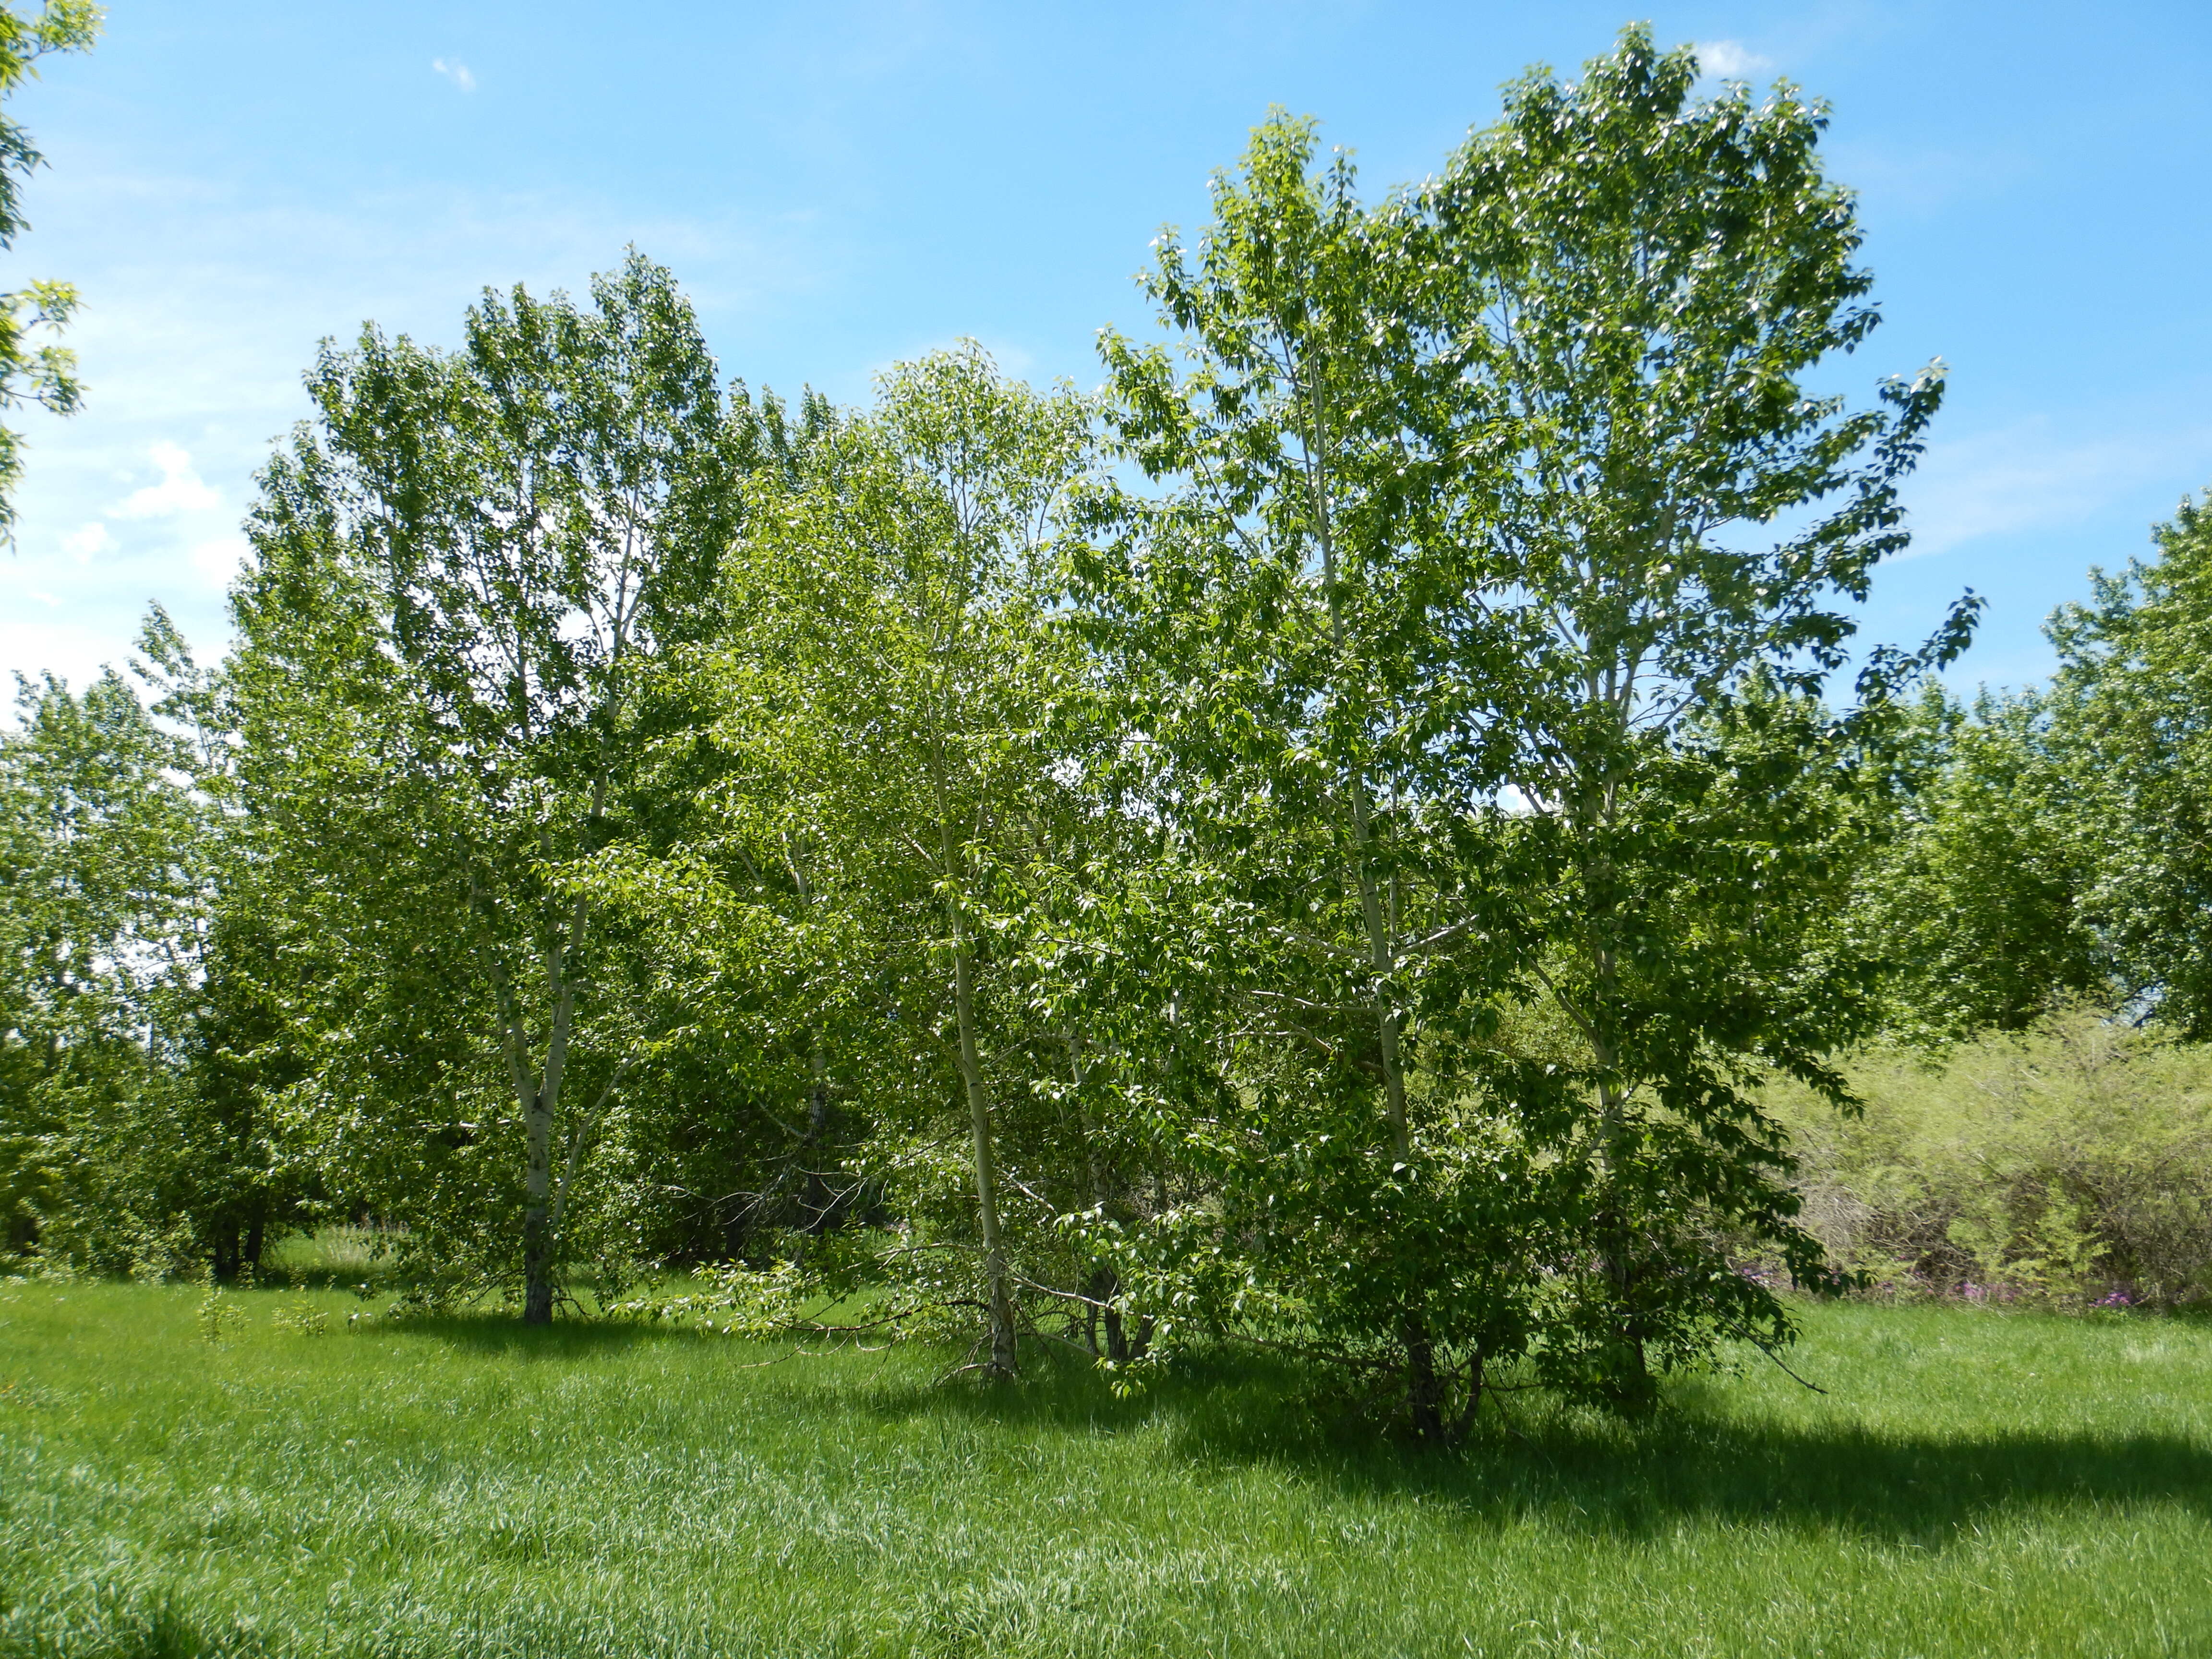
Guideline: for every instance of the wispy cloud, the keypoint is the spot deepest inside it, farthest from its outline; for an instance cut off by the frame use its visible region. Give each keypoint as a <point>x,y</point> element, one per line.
<point>181,489</point>
<point>83,544</point>
<point>1730,59</point>
<point>2024,477</point>
<point>456,71</point>
<point>217,561</point>
<point>207,311</point>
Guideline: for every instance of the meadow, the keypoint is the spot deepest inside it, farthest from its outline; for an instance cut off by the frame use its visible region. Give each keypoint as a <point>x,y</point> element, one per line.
<point>1974,1481</point>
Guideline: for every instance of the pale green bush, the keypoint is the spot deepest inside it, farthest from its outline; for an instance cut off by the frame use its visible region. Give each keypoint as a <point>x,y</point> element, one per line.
<point>2071,1163</point>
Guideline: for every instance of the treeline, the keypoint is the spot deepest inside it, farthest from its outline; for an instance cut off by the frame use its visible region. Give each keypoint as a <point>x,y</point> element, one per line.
<point>1331,840</point>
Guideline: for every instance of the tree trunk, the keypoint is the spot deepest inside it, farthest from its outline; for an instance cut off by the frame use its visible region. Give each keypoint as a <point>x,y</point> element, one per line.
<point>538,1191</point>
<point>1592,803</point>
<point>997,1293</point>
<point>1104,1284</point>
<point>1382,955</point>
<point>818,1203</point>
<point>1628,1381</point>
<point>540,1104</point>
<point>998,1296</point>
<point>1423,1389</point>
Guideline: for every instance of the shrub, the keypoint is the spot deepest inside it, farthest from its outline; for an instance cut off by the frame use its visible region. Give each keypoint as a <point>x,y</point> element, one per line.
<point>2071,1163</point>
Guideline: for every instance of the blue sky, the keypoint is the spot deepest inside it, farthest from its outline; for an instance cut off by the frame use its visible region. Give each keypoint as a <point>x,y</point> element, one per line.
<point>841,184</point>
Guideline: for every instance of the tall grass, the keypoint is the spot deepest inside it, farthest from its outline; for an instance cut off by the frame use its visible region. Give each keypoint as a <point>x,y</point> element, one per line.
<point>1974,1483</point>
<point>333,1257</point>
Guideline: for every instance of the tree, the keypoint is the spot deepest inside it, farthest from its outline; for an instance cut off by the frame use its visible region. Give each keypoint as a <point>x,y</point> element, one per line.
<point>463,574</point>
<point>2131,717</point>
<point>885,703</point>
<point>1977,896</point>
<point>1637,283</point>
<point>1457,667</point>
<point>44,375</point>
<point>1297,635</point>
<point>109,855</point>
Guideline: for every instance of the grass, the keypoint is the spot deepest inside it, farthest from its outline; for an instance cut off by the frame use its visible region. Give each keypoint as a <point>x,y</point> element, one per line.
<point>330,1258</point>
<point>1974,1483</point>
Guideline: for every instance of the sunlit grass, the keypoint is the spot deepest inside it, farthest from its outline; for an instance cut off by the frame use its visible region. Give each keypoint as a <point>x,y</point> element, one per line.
<point>331,1257</point>
<point>1974,1483</point>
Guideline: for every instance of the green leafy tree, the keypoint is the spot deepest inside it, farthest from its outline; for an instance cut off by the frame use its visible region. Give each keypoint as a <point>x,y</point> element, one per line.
<point>742,1127</point>
<point>114,1156</point>
<point>881,707</point>
<point>31,371</point>
<point>2132,714</point>
<point>1976,895</point>
<point>463,574</point>
<point>1640,282</point>
<point>1462,662</point>
<point>1297,633</point>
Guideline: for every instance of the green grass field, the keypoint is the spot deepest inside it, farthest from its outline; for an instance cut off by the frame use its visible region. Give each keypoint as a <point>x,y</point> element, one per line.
<point>1974,1483</point>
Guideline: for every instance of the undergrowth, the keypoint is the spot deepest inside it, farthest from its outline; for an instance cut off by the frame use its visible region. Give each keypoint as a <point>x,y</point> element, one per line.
<point>2068,1165</point>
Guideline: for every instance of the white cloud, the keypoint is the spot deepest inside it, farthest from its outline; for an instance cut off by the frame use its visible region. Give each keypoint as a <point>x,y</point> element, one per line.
<point>456,71</point>
<point>81,544</point>
<point>1730,59</point>
<point>218,559</point>
<point>2025,477</point>
<point>209,307</point>
<point>180,491</point>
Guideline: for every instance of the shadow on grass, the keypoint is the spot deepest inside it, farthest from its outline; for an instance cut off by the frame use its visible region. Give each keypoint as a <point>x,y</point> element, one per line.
<point>505,1334</point>
<point>380,1277</point>
<point>1575,1469</point>
<point>1585,1472</point>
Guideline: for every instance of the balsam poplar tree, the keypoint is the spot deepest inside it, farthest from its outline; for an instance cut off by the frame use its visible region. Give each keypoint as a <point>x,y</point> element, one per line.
<point>1297,630</point>
<point>463,571</point>
<point>887,700</point>
<point>1459,651</point>
<point>1634,285</point>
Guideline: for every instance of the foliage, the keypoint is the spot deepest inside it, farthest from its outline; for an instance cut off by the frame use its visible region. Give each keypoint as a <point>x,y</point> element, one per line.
<point>880,713</point>
<point>45,374</point>
<point>1303,648</point>
<point>1358,847</point>
<point>2069,1163</point>
<point>1978,901</point>
<point>1643,283</point>
<point>2132,716</point>
<point>461,576</point>
<point>1459,692</point>
<point>122,1148</point>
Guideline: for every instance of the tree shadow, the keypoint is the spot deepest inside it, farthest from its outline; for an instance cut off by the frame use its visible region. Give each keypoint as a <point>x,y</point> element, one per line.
<point>504,1335</point>
<point>1582,1471</point>
<point>380,1277</point>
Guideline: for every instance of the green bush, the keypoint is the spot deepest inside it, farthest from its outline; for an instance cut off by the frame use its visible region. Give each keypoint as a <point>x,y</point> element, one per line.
<point>2070,1163</point>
